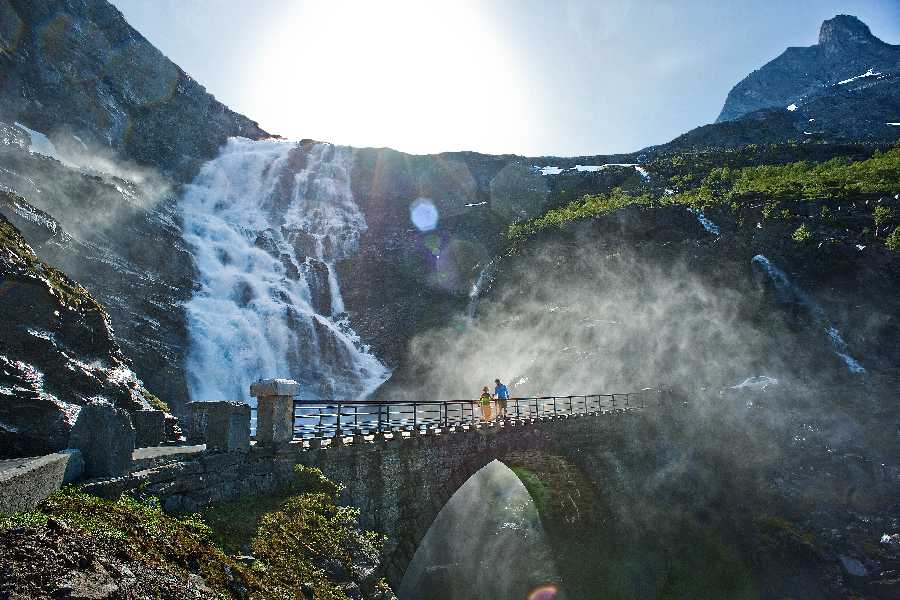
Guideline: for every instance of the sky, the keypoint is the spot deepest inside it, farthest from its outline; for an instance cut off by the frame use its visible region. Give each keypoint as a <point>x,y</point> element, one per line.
<point>560,77</point>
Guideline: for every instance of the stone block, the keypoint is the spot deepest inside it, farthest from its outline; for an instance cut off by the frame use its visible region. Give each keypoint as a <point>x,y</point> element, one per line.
<point>26,482</point>
<point>274,420</point>
<point>274,387</point>
<point>105,436</point>
<point>221,425</point>
<point>149,428</point>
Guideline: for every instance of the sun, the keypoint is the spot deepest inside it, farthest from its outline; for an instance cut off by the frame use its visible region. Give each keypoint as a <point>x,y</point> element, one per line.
<point>417,76</point>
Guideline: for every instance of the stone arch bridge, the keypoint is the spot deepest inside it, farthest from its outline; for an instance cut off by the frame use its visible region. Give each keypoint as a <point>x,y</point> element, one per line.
<point>399,462</point>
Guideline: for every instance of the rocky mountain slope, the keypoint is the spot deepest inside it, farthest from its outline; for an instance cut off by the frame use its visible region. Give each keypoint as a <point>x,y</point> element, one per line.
<point>77,71</point>
<point>117,231</point>
<point>58,350</point>
<point>847,54</point>
<point>846,87</point>
<point>98,196</point>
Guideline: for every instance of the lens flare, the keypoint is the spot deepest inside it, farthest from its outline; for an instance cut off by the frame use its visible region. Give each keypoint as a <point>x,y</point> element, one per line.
<point>424,214</point>
<point>548,591</point>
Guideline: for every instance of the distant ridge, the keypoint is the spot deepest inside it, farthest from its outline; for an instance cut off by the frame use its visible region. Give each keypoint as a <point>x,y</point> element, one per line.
<point>846,49</point>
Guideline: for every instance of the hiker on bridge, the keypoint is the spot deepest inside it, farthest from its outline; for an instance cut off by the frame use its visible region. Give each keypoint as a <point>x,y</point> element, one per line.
<point>501,393</point>
<point>485,402</point>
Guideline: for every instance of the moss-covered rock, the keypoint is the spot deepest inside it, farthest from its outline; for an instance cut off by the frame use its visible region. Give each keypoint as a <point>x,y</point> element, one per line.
<point>57,352</point>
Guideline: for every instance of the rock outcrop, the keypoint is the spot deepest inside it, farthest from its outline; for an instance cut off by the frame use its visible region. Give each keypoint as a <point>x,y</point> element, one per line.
<point>78,71</point>
<point>58,353</point>
<point>121,239</point>
<point>847,54</point>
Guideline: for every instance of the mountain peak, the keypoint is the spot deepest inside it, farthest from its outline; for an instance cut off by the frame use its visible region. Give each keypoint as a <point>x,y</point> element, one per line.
<point>845,30</point>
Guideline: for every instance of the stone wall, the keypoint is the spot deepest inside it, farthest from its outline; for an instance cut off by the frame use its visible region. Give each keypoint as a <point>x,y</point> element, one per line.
<point>24,482</point>
<point>398,482</point>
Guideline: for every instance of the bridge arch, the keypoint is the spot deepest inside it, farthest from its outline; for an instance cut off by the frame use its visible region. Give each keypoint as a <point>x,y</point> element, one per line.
<point>400,485</point>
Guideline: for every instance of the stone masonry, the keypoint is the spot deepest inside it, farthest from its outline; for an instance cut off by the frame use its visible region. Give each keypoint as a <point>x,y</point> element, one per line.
<point>398,481</point>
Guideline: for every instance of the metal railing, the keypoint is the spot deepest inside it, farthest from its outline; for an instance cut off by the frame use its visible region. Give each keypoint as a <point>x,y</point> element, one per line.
<point>320,419</point>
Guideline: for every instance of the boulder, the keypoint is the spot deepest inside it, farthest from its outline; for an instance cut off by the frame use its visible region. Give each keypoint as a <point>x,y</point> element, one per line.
<point>106,437</point>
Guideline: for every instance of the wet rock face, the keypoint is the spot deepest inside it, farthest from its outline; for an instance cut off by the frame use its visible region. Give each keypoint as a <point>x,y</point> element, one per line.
<point>58,352</point>
<point>78,68</point>
<point>122,241</point>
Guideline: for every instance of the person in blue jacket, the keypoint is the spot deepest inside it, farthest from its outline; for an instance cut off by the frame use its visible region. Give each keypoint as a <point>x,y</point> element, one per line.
<point>501,393</point>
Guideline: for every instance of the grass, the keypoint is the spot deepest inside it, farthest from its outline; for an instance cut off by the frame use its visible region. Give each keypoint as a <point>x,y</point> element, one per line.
<point>291,536</point>
<point>590,206</point>
<point>154,400</point>
<point>735,187</point>
<point>20,255</point>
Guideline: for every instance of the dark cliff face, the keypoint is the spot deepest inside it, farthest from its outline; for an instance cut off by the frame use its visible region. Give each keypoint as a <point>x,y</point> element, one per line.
<point>58,350</point>
<point>846,49</point>
<point>77,68</point>
<point>121,239</point>
<point>404,279</point>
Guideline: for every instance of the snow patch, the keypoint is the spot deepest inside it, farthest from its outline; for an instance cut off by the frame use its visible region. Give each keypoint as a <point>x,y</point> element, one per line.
<point>760,382</point>
<point>471,204</point>
<point>41,144</point>
<point>792,107</point>
<point>893,124</point>
<point>550,170</point>
<point>869,73</point>
<point>592,169</point>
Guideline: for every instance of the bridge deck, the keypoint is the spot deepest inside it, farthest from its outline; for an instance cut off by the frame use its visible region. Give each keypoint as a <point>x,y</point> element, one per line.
<point>324,419</point>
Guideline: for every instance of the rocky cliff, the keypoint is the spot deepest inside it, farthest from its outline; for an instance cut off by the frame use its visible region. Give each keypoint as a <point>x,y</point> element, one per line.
<point>847,55</point>
<point>58,350</point>
<point>126,131</point>
<point>115,230</point>
<point>76,70</point>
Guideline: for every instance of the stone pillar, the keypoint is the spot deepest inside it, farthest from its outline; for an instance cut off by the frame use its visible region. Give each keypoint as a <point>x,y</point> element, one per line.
<point>221,425</point>
<point>105,436</point>
<point>149,427</point>
<point>274,410</point>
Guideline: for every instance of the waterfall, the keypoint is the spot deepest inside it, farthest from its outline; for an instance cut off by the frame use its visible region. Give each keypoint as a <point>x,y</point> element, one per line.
<point>788,292</point>
<point>266,222</point>
<point>485,277</point>
<point>708,225</point>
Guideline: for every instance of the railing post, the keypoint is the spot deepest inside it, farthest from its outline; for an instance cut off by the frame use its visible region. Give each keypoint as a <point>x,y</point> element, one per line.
<point>379,417</point>
<point>554,406</point>
<point>337,432</point>
<point>275,410</point>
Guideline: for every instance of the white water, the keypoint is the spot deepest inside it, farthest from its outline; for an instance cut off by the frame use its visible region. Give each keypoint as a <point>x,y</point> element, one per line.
<point>789,292</point>
<point>708,225</point>
<point>485,277</point>
<point>265,219</point>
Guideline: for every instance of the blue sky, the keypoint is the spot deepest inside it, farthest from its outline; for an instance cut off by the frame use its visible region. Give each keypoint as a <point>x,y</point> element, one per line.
<point>504,76</point>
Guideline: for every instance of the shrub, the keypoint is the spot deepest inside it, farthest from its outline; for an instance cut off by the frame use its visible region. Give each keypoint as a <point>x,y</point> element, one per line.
<point>585,208</point>
<point>801,234</point>
<point>893,240</point>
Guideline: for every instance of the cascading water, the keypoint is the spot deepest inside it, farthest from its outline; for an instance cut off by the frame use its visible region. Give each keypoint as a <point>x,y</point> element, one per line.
<point>266,221</point>
<point>788,292</point>
<point>485,277</point>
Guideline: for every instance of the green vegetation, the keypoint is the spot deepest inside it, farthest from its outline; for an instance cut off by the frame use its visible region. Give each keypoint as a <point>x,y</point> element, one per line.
<point>139,529</point>
<point>20,255</point>
<point>291,537</point>
<point>584,208</point>
<point>736,187</point>
<point>801,234</point>
<point>535,487</point>
<point>154,400</point>
<point>893,240</point>
<point>835,178</point>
